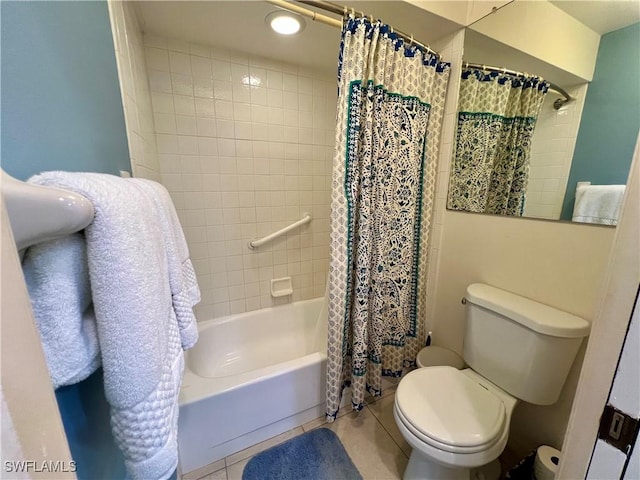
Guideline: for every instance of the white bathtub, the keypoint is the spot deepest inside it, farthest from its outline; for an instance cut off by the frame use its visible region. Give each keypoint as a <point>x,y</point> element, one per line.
<point>250,377</point>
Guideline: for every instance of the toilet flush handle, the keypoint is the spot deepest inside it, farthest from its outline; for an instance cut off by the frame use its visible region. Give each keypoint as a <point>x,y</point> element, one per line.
<point>463,301</point>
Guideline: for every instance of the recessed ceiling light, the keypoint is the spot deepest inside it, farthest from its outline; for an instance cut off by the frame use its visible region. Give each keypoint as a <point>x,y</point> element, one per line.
<point>285,23</point>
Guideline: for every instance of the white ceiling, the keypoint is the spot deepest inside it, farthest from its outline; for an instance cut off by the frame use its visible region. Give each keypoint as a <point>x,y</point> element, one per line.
<point>481,49</point>
<point>240,25</point>
<point>602,16</point>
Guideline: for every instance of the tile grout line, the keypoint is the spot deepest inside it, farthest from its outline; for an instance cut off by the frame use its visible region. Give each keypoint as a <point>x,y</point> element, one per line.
<point>387,431</point>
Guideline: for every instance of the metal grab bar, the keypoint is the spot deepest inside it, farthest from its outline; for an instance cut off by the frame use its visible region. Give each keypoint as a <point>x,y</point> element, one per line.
<point>253,244</point>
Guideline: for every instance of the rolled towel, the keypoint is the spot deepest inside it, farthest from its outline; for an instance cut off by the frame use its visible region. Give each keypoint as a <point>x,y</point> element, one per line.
<point>57,277</point>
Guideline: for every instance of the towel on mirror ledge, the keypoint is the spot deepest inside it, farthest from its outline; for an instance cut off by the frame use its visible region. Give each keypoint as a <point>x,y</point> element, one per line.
<point>129,264</point>
<point>598,204</point>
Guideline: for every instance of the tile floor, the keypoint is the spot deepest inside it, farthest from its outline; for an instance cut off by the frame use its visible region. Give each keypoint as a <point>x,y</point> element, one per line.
<point>370,437</point>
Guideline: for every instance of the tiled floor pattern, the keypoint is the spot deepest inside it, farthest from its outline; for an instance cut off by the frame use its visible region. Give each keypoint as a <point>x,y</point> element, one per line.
<point>370,437</point>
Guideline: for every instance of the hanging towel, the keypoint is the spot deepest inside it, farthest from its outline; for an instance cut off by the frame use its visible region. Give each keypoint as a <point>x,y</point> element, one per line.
<point>57,277</point>
<point>598,204</point>
<point>137,327</point>
<point>182,277</point>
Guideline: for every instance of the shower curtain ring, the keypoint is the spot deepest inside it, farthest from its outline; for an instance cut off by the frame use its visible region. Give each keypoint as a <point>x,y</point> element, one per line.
<point>353,12</point>
<point>411,40</point>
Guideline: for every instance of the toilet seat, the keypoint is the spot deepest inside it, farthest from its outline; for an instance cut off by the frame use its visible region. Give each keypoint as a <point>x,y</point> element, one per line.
<point>449,410</point>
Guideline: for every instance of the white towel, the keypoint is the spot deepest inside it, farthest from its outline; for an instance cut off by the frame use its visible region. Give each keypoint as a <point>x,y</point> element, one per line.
<point>598,204</point>
<point>57,277</point>
<point>137,327</point>
<point>182,277</point>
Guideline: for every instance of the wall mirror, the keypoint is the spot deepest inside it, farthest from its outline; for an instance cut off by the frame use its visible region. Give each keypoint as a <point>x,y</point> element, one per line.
<point>582,147</point>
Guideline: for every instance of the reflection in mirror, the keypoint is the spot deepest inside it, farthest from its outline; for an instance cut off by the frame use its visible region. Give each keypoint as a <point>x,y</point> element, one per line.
<point>589,139</point>
<point>496,118</point>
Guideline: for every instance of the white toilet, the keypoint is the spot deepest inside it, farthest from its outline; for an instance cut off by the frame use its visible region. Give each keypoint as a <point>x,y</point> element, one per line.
<point>458,420</point>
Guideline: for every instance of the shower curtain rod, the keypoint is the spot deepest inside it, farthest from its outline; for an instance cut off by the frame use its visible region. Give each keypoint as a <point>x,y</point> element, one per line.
<point>316,17</point>
<point>552,86</point>
<point>343,11</point>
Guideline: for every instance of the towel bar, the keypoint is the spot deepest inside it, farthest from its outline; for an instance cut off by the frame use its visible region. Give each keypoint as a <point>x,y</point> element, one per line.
<point>38,213</point>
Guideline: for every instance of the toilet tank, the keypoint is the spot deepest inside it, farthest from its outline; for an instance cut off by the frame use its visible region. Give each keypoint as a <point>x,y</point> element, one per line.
<point>524,347</point>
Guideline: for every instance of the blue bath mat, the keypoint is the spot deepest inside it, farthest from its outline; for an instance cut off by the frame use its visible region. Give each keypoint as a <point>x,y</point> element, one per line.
<point>315,455</point>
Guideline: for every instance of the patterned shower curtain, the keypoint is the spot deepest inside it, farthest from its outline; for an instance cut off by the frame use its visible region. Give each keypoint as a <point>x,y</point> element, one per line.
<point>497,115</point>
<point>390,108</point>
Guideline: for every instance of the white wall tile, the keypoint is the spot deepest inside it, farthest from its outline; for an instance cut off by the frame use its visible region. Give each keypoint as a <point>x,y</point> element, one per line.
<point>185,125</point>
<point>179,63</point>
<point>187,145</point>
<point>200,66</point>
<point>235,156</point>
<point>204,107</point>
<point>206,127</point>
<point>225,128</point>
<point>222,90</point>
<point>165,122</point>
<point>207,146</point>
<point>182,84</point>
<point>184,105</point>
<point>241,93</point>
<point>162,102</point>
<point>160,81</point>
<point>157,59</point>
<point>551,154</point>
<point>203,87</point>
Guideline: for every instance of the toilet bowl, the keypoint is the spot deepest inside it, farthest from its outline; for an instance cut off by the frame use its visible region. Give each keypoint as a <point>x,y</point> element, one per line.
<point>455,420</point>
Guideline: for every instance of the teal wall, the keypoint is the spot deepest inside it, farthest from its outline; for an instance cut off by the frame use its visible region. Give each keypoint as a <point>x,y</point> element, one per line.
<point>611,116</point>
<point>61,109</point>
<point>61,103</point>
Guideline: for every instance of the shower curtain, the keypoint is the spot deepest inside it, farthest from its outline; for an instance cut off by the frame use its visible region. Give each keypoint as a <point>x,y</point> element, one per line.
<point>497,115</point>
<point>390,108</point>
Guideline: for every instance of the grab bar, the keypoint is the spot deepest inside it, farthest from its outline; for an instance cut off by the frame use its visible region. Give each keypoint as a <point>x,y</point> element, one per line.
<point>306,218</point>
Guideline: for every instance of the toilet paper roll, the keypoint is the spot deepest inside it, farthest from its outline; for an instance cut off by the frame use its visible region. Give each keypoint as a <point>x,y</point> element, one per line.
<point>546,463</point>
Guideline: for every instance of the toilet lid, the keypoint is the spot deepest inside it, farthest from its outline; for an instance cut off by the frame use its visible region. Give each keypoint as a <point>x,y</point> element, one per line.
<point>448,406</point>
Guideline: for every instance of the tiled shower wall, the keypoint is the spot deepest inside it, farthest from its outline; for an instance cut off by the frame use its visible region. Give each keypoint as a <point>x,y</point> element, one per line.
<point>450,48</point>
<point>552,148</point>
<point>245,147</point>
<point>132,74</point>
